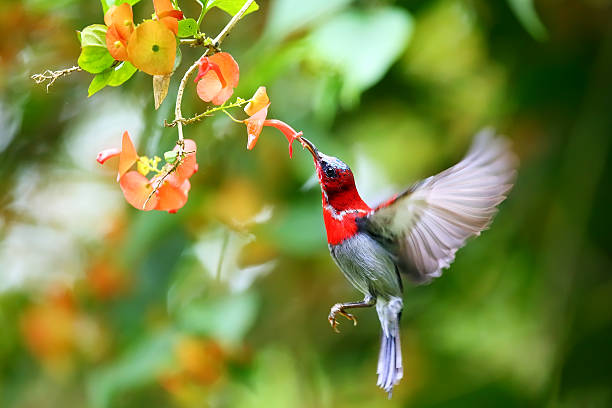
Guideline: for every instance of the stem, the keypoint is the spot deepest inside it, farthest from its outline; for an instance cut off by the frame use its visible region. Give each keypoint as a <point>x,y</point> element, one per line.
<point>178,116</point>
<point>202,13</point>
<point>199,116</point>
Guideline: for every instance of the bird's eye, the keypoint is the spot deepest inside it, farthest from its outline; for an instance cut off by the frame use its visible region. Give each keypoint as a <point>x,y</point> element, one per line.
<point>330,172</point>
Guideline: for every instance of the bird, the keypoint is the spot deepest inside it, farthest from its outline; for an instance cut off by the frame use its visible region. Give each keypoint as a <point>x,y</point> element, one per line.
<point>414,234</point>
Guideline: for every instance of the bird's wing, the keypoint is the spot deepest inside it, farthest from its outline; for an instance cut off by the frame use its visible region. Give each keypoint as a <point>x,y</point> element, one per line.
<point>425,225</point>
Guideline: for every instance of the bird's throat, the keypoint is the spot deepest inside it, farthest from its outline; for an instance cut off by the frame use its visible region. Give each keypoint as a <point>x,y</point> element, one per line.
<point>340,213</point>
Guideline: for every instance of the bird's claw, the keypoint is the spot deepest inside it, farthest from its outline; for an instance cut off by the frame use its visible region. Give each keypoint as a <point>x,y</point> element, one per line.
<point>339,309</point>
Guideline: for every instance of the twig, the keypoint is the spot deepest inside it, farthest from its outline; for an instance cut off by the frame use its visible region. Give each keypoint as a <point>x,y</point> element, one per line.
<point>52,76</point>
<point>239,102</point>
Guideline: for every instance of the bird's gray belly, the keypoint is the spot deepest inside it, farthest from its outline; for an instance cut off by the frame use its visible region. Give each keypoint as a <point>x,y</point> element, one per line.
<point>368,266</point>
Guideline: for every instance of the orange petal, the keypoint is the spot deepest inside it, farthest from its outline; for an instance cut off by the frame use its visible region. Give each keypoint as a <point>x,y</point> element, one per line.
<point>229,68</point>
<point>254,126</point>
<point>223,95</point>
<point>115,44</point>
<point>123,19</point>
<point>162,6</point>
<point>189,164</point>
<point>209,86</point>
<point>259,101</point>
<point>152,48</point>
<point>136,189</point>
<point>171,23</point>
<point>172,196</point>
<point>128,155</point>
<point>108,16</point>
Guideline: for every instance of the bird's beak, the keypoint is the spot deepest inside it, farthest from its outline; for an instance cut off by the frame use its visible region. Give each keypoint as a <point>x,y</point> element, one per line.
<point>310,147</point>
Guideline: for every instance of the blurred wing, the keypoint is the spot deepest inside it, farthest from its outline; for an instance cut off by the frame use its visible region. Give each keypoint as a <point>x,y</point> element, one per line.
<point>425,225</point>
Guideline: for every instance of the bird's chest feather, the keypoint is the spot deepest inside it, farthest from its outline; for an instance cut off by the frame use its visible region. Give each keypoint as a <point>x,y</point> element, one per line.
<point>340,225</point>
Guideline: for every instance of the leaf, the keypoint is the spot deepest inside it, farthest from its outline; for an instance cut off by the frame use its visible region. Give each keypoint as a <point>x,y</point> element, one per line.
<point>160,88</point>
<point>99,81</point>
<point>94,35</point>
<point>226,318</point>
<point>287,16</point>
<point>354,43</point>
<point>107,3</point>
<point>187,27</point>
<point>94,57</point>
<point>122,73</point>
<point>139,365</point>
<point>527,15</point>
<point>232,7</point>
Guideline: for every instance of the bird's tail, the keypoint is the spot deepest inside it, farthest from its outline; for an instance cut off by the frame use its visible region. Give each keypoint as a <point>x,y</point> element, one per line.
<point>390,370</point>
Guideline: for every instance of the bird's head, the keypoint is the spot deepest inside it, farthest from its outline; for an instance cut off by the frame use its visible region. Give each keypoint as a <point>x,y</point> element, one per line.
<point>336,180</point>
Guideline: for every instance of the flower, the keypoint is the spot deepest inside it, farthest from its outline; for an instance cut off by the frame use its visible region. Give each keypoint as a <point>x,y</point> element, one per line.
<point>152,48</point>
<point>120,22</point>
<point>167,14</point>
<point>258,109</point>
<point>217,77</point>
<point>166,191</point>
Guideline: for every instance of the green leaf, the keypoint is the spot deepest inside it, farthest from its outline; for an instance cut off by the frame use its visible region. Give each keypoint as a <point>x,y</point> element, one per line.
<point>527,15</point>
<point>107,3</point>
<point>99,81</point>
<point>231,7</point>
<point>94,35</point>
<point>121,73</point>
<point>94,57</point>
<point>187,27</point>
<point>355,45</point>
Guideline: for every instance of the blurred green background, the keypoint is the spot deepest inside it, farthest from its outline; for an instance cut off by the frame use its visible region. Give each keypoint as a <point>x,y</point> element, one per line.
<point>225,303</point>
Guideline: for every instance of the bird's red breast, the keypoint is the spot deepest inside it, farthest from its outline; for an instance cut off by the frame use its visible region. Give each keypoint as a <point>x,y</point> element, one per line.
<point>340,211</point>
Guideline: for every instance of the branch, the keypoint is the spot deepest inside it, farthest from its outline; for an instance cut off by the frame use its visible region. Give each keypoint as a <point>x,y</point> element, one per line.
<point>178,116</point>
<point>239,102</point>
<point>51,76</point>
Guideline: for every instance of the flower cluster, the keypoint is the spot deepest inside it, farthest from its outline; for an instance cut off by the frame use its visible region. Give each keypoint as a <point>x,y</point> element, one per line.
<point>169,187</point>
<point>150,46</point>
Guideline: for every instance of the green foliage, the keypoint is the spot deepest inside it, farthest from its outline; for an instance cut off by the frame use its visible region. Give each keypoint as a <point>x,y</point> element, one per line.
<point>230,6</point>
<point>187,27</point>
<point>355,44</point>
<point>107,3</point>
<point>94,57</point>
<point>526,13</point>
<point>113,76</point>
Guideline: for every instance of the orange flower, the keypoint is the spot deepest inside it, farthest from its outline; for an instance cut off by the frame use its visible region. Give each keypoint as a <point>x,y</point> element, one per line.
<point>258,109</point>
<point>152,48</point>
<point>120,22</point>
<point>217,77</point>
<point>171,195</point>
<point>167,14</point>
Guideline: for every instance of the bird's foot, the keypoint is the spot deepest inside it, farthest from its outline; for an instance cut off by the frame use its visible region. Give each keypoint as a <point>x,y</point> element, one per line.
<point>338,308</point>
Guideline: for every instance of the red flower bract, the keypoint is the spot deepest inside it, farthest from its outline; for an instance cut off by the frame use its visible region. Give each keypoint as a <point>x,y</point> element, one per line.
<point>217,77</point>
<point>258,109</point>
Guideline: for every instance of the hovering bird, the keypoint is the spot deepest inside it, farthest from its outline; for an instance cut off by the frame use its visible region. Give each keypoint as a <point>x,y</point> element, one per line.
<point>414,234</point>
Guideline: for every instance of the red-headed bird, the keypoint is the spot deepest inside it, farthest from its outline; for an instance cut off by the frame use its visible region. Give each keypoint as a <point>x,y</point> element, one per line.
<point>416,233</point>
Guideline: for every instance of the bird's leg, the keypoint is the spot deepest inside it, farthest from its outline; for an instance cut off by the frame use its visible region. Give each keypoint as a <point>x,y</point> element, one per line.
<point>339,308</point>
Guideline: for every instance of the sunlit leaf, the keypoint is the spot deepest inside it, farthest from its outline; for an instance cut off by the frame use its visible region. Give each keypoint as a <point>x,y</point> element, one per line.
<point>121,73</point>
<point>231,6</point>
<point>353,44</point>
<point>107,3</point>
<point>99,81</point>
<point>526,13</point>
<point>95,59</point>
<point>187,27</point>
<point>227,318</point>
